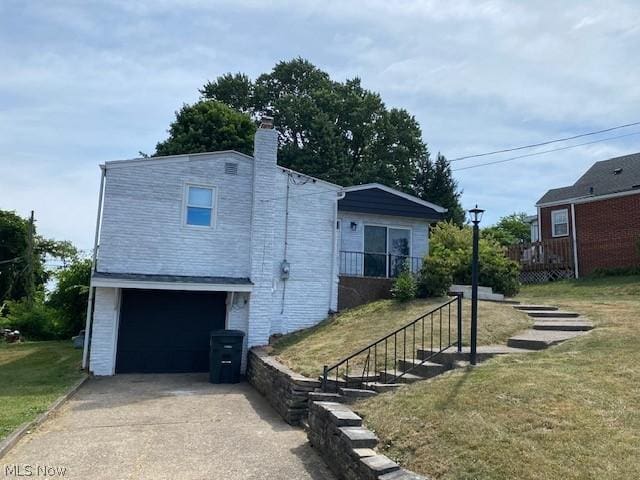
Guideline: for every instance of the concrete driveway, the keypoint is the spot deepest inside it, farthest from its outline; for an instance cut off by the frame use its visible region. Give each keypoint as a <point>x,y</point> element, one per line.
<point>168,426</point>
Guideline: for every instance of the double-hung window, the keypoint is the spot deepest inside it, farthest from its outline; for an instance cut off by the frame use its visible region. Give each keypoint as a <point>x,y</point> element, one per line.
<point>560,223</point>
<point>200,205</point>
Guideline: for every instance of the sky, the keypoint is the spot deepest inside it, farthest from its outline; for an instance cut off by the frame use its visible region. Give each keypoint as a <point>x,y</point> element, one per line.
<point>84,82</point>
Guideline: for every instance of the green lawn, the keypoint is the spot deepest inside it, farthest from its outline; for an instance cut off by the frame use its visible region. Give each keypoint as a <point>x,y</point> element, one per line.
<point>307,351</point>
<point>571,412</point>
<point>32,376</point>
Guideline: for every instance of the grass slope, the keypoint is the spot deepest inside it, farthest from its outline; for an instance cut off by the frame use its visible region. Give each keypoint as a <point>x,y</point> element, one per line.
<point>307,351</point>
<point>32,376</point>
<point>571,412</point>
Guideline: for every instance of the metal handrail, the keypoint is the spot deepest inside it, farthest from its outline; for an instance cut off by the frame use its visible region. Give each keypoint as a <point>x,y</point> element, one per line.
<point>385,340</point>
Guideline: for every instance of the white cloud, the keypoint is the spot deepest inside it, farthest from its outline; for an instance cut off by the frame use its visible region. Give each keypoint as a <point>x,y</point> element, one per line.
<point>82,84</point>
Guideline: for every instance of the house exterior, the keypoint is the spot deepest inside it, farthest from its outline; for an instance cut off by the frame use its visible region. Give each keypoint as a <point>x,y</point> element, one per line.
<point>187,244</point>
<point>598,217</point>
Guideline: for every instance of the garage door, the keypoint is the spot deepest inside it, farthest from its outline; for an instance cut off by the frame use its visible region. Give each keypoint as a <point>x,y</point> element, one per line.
<point>166,331</point>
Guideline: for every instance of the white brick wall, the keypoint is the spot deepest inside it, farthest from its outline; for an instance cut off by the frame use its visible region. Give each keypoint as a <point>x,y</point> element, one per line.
<point>143,229</point>
<point>308,294</point>
<point>238,319</point>
<point>143,232</point>
<point>103,335</point>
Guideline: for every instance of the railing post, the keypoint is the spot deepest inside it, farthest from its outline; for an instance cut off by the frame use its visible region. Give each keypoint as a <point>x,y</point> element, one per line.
<point>459,304</point>
<point>324,378</point>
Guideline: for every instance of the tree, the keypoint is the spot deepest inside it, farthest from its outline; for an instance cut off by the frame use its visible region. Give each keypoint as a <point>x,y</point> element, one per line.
<point>70,296</point>
<point>337,131</point>
<point>14,281</point>
<point>208,126</point>
<point>510,229</point>
<point>434,182</point>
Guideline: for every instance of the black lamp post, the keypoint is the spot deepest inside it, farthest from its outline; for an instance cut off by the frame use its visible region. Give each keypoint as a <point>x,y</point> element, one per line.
<point>476,217</point>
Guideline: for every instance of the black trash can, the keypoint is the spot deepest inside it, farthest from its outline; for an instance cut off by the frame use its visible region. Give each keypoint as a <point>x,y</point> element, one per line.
<point>225,356</point>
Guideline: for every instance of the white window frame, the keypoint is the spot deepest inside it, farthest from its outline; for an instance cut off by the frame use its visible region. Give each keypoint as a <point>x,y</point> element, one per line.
<point>185,205</point>
<point>554,223</point>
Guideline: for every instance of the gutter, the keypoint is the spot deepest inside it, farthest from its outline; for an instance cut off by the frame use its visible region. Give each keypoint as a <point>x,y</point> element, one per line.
<point>92,289</point>
<point>575,241</point>
<point>334,241</point>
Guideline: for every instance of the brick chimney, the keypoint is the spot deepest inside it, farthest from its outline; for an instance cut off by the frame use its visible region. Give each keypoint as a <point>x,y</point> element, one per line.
<point>265,156</point>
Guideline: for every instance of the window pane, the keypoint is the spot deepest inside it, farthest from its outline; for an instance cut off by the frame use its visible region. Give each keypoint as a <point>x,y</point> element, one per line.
<point>198,216</point>
<point>200,197</point>
<point>561,229</point>
<point>399,239</point>
<point>560,217</point>
<point>375,239</point>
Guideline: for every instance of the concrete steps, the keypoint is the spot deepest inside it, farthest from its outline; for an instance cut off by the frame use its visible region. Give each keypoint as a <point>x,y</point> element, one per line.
<point>392,374</point>
<point>540,339</point>
<point>379,387</point>
<point>483,352</point>
<point>551,327</point>
<point>564,325</point>
<point>532,307</point>
<point>551,314</point>
<point>420,368</point>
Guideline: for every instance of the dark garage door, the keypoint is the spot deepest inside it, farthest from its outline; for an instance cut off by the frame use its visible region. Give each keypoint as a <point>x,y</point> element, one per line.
<point>167,331</point>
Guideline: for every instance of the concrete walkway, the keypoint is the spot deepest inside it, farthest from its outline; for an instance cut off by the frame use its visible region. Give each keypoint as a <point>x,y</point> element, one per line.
<point>168,427</point>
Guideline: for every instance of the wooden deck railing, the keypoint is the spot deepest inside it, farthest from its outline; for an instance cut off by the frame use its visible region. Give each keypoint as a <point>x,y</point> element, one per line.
<point>556,254</point>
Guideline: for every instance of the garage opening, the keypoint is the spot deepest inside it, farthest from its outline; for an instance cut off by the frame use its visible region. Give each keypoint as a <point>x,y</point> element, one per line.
<point>167,331</point>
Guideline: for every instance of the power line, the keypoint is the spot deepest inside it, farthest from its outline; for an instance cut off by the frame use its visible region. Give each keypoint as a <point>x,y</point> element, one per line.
<point>545,151</point>
<point>544,143</point>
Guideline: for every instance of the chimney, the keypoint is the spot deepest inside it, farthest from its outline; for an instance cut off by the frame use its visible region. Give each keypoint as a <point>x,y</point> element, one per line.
<point>265,157</point>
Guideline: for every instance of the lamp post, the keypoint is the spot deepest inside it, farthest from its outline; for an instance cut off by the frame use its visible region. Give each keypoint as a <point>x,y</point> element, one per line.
<point>476,217</point>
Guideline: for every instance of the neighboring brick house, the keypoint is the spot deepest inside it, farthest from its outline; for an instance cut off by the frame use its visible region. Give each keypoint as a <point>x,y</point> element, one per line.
<point>186,244</point>
<point>599,215</point>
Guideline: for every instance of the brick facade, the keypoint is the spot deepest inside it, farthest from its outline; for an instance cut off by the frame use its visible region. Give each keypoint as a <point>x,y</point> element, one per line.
<point>607,232</point>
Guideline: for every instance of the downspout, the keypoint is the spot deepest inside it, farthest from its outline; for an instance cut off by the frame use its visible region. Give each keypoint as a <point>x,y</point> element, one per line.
<point>539,226</point>
<point>334,242</point>
<point>88,324</point>
<point>575,240</point>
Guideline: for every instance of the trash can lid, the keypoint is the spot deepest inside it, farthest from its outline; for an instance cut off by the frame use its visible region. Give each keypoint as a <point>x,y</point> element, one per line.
<point>227,333</point>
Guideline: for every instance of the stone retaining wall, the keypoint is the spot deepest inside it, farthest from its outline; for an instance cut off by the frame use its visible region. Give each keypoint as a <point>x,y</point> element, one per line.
<point>286,391</point>
<point>336,432</point>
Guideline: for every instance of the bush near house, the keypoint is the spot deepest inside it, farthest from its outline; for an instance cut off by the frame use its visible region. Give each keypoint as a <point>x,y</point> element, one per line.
<point>449,262</point>
<point>404,287</point>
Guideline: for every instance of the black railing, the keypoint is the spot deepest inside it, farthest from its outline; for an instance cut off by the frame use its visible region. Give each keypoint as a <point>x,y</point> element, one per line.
<point>383,265</point>
<point>379,361</point>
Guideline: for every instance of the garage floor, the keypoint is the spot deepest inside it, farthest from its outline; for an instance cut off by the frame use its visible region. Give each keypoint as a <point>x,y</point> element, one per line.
<point>168,426</point>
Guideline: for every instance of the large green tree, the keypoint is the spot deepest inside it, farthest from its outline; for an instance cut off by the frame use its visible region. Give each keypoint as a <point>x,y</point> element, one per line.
<point>337,131</point>
<point>208,126</point>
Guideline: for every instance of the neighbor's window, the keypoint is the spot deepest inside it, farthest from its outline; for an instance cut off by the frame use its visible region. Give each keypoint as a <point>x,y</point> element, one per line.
<point>200,206</point>
<point>560,223</point>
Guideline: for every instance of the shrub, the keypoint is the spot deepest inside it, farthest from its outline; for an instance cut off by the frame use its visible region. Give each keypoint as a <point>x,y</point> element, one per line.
<point>404,286</point>
<point>450,262</point>
<point>35,322</point>
<point>435,277</point>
